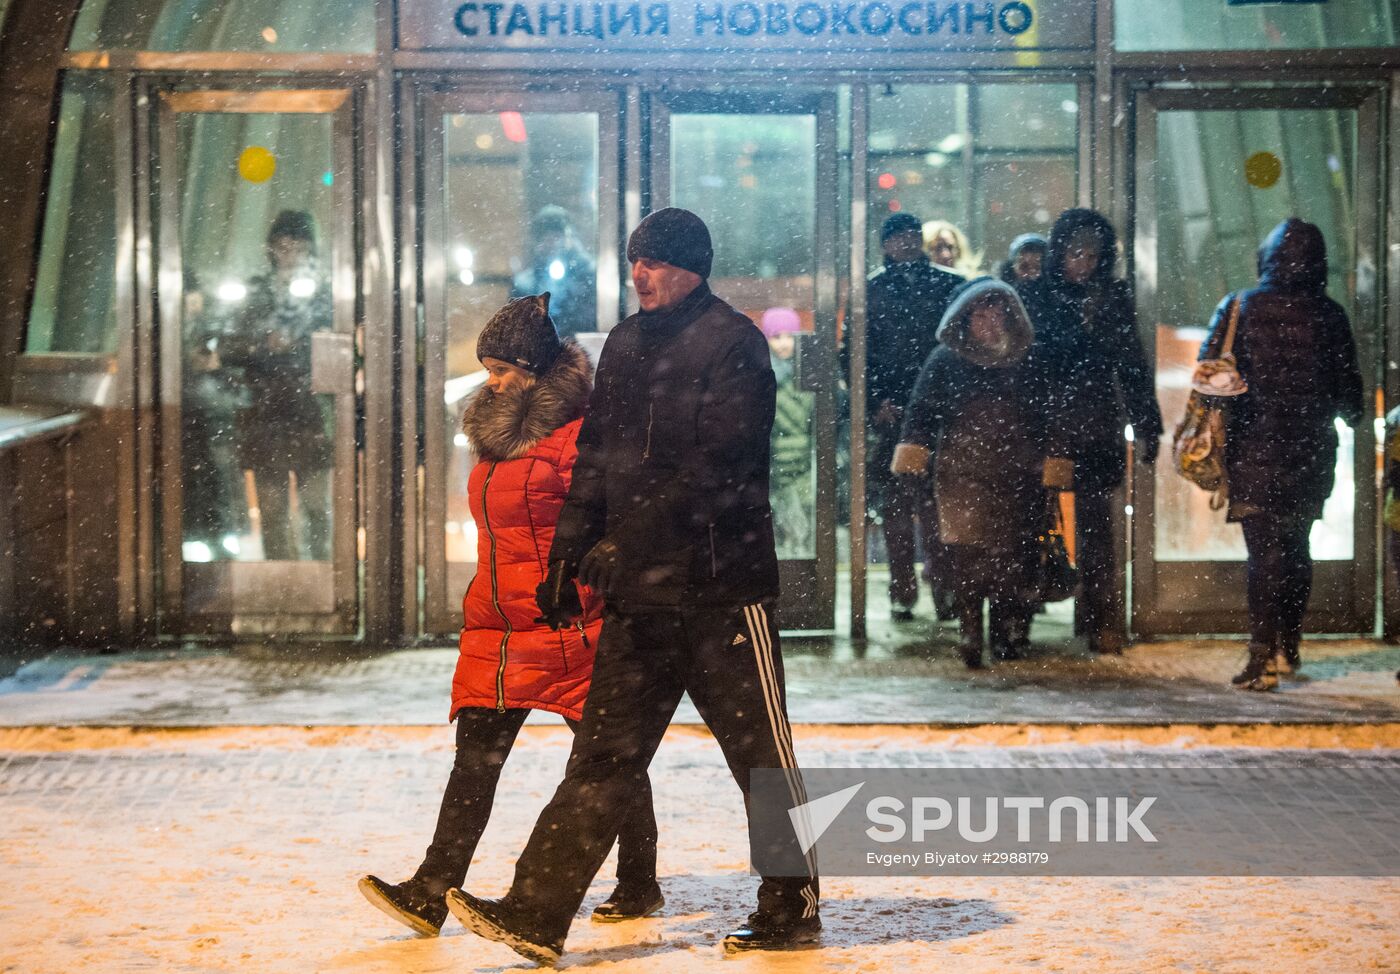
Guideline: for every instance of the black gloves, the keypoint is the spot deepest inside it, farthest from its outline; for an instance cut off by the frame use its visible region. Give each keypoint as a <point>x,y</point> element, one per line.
<point>557,596</point>
<point>599,567</point>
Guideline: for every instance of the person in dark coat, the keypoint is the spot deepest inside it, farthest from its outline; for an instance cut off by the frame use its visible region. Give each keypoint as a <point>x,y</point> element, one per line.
<point>1025,259</point>
<point>669,518</point>
<point>1294,348</point>
<point>905,301</point>
<point>1086,324</point>
<point>560,265</point>
<point>283,429</point>
<point>524,425</point>
<point>978,410</point>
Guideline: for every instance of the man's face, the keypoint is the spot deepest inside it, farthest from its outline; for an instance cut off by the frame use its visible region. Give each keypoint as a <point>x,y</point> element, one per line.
<point>987,323</point>
<point>288,253</point>
<point>660,286</point>
<point>904,247</point>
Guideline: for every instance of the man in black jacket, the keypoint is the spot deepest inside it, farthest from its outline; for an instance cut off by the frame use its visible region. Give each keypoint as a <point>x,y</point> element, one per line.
<point>668,517</point>
<point>905,301</point>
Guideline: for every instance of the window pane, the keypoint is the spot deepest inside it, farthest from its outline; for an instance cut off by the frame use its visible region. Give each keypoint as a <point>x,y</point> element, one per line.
<point>1210,221</point>
<point>996,160</point>
<point>521,217</point>
<point>74,307</point>
<point>1195,25</point>
<point>753,178</point>
<point>257,445</point>
<point>239,25</point>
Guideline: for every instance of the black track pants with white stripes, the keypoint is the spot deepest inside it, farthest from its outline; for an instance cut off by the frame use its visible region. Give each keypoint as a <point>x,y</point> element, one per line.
<point>729,662</point>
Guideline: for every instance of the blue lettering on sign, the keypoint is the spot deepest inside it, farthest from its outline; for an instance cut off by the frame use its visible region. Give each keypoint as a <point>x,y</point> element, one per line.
<point>748,18</point>
<point>460,20</point>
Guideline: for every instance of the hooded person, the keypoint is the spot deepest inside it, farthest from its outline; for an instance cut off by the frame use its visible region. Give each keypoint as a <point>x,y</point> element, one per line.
<point>905,300</point>
<point>668,517</point>
<point>1087,332</point>
<point>791,468</point>
<point>1025,259</point>
<point>523,424</point>
<point>978,414</point>
<point>1295,350</point>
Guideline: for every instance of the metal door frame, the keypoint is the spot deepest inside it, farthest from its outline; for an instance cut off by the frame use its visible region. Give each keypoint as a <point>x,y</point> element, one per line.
<point>808,585</point>
<point>1206,597</point>
<point>306,581</point>
<point>441,591</point>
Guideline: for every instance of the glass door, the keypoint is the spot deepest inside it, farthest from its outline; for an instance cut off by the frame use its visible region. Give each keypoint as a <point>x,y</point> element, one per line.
<point>518,196</point>
<point>1216,170</point>
<point>760,168</point>
<point>257,299</point>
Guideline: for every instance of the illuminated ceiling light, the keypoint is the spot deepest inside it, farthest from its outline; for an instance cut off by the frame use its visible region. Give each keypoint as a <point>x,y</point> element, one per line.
<point>935,160</point>
<point>484,141</point>
<point>556,270</point>
<point>269,34</point>
<point>513,126</point>
<point>231,544</point>
<point>463,256</point>
<point>302,287</point>
<point>460,440</point>
<point>466,277</point>
<point>1069,106</point>
<point>232,292</point>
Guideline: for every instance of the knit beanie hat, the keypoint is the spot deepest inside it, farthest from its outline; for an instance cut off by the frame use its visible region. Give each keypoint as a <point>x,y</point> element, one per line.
<point>523,334</point>
<point>897,223</point>
<point>673,236</point>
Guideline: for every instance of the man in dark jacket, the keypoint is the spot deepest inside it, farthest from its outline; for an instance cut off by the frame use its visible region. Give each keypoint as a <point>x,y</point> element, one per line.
<point>905,301</point>
<point>1086,328</point>
<point>669,518</point>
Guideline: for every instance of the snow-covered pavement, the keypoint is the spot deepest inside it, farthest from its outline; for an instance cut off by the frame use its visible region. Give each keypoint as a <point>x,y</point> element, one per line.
<point>237,849</point>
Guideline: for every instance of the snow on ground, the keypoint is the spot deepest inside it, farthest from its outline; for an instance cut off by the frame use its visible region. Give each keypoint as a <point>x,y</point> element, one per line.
<point>237,849</point>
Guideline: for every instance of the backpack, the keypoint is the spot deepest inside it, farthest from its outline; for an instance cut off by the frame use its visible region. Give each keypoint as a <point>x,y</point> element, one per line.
<point>1198,445</point>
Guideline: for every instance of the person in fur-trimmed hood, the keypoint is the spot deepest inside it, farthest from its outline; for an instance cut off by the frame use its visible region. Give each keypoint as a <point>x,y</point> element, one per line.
<point>523,424</point>
<point>978,415</point>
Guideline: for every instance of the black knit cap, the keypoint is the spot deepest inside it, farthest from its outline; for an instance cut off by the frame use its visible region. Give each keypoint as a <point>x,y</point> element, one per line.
<point>673,236</point>
<point>523,334</point>
<point>296,224</point>
<point>897,223</point>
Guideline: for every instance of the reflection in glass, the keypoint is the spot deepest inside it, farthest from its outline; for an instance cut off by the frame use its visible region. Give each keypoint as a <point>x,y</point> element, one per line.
<point>521,217</point>
<point>753,179</point>
<point>996,160</point>
<point>1210,221</point>
<point>74,298</point>
<point>1195,25</point>
<point>257,445</point>
<point>234,25</point>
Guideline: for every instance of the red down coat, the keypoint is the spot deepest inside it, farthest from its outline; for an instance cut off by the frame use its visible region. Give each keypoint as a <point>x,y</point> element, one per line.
<point>507,660</point>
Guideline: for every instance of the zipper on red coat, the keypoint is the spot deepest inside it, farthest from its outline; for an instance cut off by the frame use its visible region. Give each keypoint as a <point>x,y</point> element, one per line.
<point>495,594</point>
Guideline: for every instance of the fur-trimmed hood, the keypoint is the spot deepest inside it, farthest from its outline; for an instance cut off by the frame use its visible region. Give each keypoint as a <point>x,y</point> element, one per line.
<point>953,331</point>
<point>507,426</point>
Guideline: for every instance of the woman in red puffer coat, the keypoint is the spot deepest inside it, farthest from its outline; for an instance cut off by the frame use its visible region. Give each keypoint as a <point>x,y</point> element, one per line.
<point>523,425</point>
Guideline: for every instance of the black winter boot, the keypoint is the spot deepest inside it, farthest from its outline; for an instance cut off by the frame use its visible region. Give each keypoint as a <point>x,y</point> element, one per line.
<point>629,904</point>
<point>970,633</point>
<point>500,921</point>
<point>1260,672</point>
<point>410,903</point>
<point>767,932</point>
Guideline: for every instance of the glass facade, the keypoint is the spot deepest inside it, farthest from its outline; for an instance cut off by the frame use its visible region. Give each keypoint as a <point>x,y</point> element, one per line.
<point>238,25</point>
<point>1224,180</point>
<point>257,443</point>
<point>74,293</point>
<point>996,160</point>
<point>1217,25</point>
